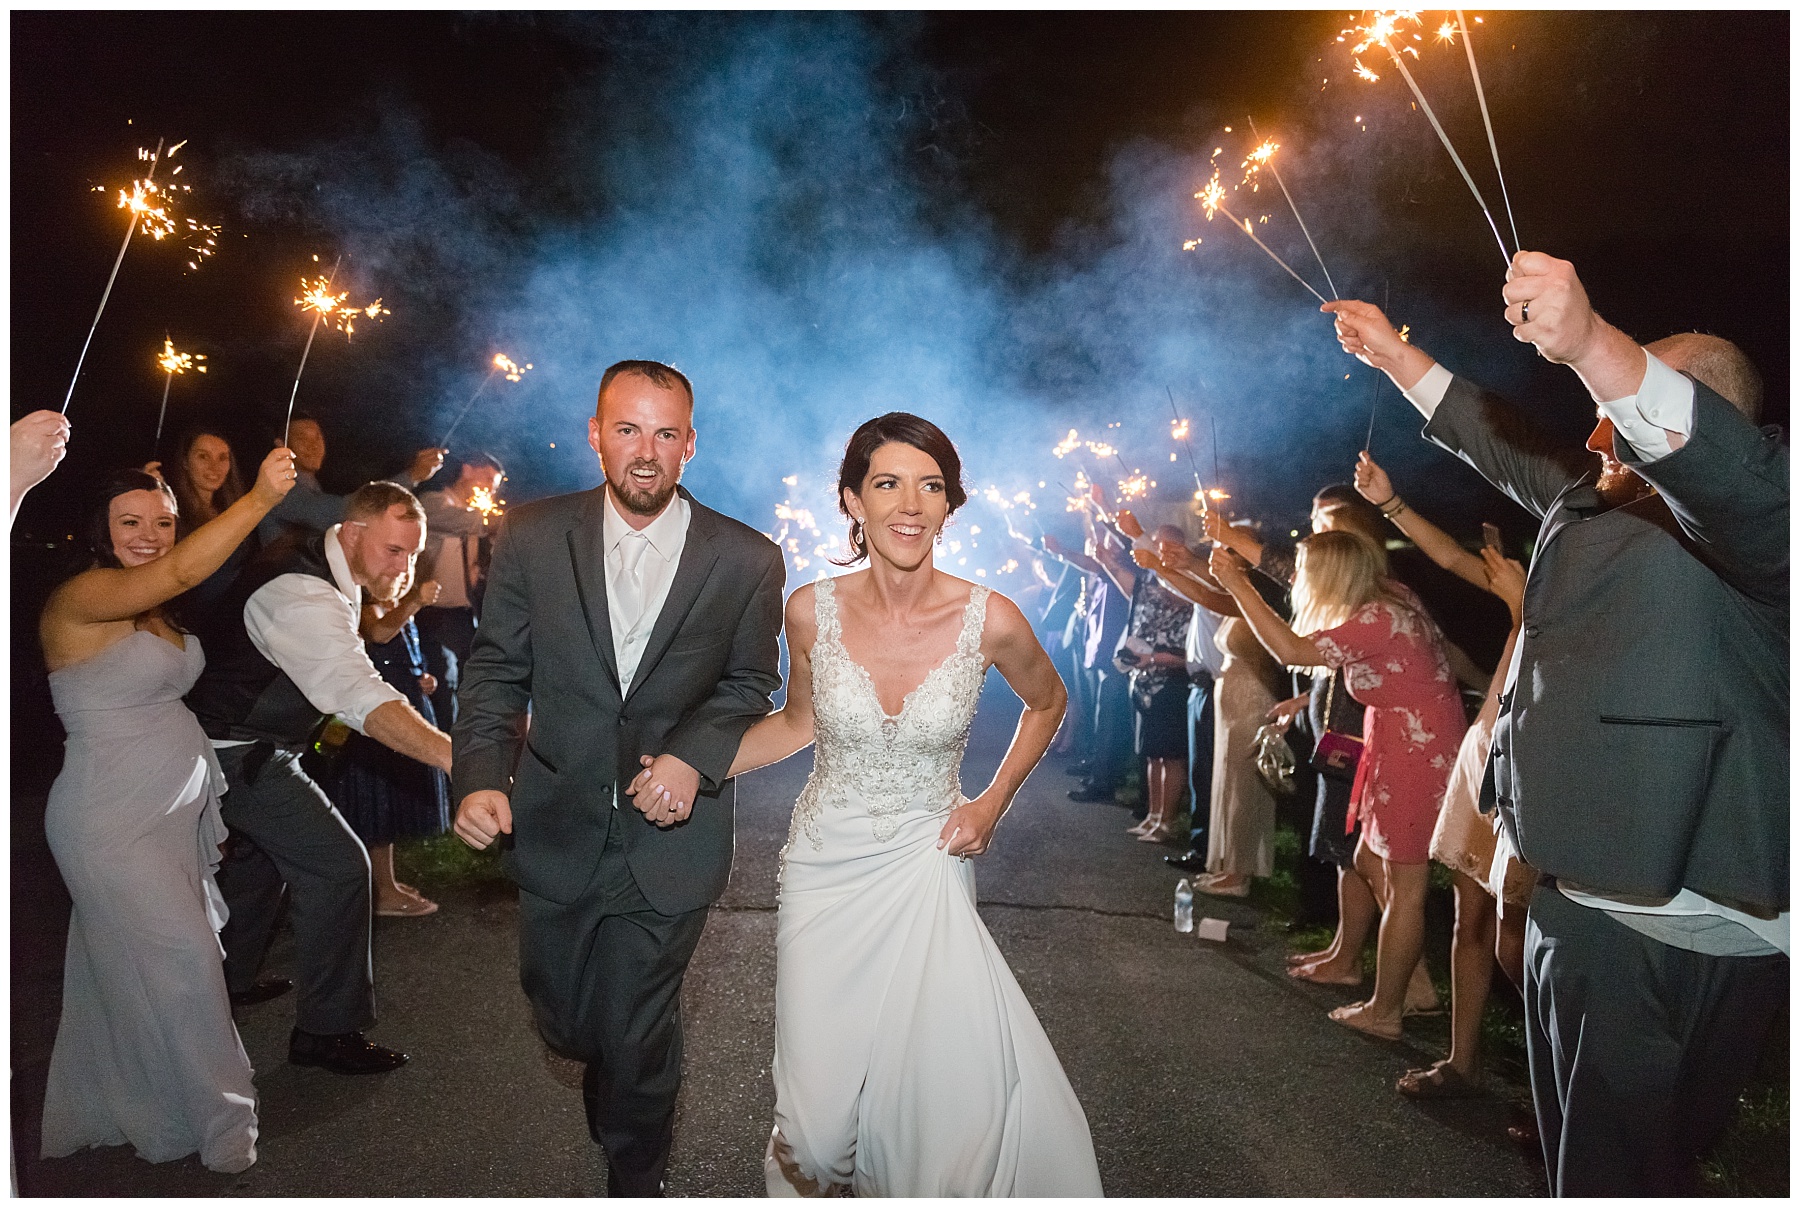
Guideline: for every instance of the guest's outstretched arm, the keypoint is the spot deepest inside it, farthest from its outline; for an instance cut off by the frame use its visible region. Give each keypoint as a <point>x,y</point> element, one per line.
<point>1372,483</point>
<point>1277,637</point>
<point>120,593</point>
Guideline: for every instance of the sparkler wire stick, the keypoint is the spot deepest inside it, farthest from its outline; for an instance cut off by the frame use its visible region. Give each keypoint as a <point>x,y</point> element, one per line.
<point>1481,95</point>
<point>1375,382</point>
<point>107,292</point>
<point>156,445</point>
<point>1189,445</point>
<point>1445,139</point>
<point>445,443</point>
<point>1296,209</point>
<point>307,351</point>
<point>1277,259</point>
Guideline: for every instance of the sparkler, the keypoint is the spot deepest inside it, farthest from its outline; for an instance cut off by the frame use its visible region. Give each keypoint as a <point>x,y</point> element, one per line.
<point>502,364</point>
<point>482,501</point>
<point>320,309</point>
<point>1179,432</point>
<point>172,363</point>
<point>1381,28</point>
<point>1267,159</point>
<point>1212,198</point>
<point>1375,382</point>
<point>130,229</point>
<point>1481,95</point>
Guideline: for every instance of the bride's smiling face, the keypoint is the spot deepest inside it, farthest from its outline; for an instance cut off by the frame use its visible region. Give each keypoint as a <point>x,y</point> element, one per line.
<point>901,506</point>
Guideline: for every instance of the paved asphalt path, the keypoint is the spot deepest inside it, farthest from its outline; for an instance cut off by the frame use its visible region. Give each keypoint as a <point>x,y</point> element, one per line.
<point>1204,1071</point>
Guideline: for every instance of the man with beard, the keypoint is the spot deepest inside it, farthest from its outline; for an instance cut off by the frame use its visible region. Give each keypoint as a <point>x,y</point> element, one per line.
<point>623,621</point>
<point>1640,758</point>
<point>283,654</point>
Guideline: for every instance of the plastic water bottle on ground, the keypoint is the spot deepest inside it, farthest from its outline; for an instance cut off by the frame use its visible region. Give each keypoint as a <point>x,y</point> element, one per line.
<point>1184,906</point>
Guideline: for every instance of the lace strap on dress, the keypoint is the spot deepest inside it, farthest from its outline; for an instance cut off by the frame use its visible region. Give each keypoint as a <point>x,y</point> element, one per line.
<point>825,613</point>
<point>974,621</point>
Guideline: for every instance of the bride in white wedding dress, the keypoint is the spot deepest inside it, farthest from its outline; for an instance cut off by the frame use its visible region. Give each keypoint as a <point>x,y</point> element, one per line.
<point>907,1060</point>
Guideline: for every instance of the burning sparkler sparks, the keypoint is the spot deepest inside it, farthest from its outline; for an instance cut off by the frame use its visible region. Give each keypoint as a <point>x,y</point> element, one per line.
<point>1178,429</point>
<point>1212,200</point>
<point>171,363</point>
<point>1382,27</point>
<point>1067,444</point>
<point>155,219</point>
<point>336,309</point>
<point>483,503</point>
<point>502,365</point>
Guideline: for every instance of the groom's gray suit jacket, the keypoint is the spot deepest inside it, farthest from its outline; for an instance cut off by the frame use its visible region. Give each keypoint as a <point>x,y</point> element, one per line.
<point>544,652</point>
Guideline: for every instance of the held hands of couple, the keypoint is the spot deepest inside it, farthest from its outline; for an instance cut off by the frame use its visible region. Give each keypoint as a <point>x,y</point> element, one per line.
<point>664,791</point>
<point>970,826</point>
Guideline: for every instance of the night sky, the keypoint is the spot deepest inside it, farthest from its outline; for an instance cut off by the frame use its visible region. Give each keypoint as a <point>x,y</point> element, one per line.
<point>977,217</point>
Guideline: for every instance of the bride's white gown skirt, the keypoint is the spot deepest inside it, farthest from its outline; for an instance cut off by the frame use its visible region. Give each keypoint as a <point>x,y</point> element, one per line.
<point>907,1060</point>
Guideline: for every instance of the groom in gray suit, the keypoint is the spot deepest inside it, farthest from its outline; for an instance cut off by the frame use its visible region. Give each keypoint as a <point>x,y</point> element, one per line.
<point>622,621</point>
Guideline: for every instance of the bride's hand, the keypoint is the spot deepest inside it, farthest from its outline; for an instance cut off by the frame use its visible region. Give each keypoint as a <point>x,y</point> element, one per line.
<point>970,827</point>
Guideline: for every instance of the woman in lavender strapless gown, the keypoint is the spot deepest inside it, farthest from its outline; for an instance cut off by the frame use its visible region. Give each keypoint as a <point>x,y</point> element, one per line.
<point>146,1051</point>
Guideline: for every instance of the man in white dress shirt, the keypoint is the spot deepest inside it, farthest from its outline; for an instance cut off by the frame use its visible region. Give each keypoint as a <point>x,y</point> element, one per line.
<point>1640,760</point>
<point>283,654</point>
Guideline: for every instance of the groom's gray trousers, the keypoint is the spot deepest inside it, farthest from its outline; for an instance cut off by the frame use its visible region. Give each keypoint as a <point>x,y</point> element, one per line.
<point>603,974</point>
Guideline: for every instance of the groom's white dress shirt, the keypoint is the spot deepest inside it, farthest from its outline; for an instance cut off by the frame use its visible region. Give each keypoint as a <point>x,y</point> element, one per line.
<point>640,566</point>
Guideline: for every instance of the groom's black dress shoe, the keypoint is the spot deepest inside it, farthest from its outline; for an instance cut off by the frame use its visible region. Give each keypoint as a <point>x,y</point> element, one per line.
<point>616,1188</point>
<point>344,1053</point>
<point>264,989</point>
<point>1193,861</point>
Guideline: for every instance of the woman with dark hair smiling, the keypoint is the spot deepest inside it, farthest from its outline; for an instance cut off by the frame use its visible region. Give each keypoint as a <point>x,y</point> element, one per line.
<point>203,475</point>
<point>907,1060</point>
<point>146,1052</point>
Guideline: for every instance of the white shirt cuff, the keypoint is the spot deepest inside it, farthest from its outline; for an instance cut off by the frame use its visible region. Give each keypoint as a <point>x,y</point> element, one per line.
<point>1429,390</point>
<point>1663,404</point>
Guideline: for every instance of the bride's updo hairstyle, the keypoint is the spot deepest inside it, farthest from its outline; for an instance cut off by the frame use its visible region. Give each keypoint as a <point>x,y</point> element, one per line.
<point>896,427</point>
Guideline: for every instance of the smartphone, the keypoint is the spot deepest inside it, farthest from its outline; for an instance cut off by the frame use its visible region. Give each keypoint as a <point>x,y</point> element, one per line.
<point>1490,537</point>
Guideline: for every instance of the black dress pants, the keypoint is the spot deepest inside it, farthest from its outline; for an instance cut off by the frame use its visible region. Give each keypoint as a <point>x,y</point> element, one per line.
<point>603,974</point>
<point>284,831</point>
<point>1638,1050</point>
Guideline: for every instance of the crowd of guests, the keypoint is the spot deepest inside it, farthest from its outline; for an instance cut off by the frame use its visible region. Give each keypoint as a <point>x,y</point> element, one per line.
<point>1608,796</point>
<point>247,678</point>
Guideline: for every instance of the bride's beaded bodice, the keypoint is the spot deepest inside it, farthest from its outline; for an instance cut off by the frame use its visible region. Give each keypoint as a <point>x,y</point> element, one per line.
<point>887,764</point>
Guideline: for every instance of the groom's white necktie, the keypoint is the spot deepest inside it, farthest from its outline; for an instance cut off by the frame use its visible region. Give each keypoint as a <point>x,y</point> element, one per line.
<point>632,548</point>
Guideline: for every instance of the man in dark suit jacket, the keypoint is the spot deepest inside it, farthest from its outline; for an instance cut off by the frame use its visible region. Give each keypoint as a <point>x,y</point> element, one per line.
<point>618,622</point>
<point>1640,759</point>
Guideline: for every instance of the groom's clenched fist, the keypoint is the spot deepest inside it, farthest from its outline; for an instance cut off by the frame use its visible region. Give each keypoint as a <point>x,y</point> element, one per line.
<point>482,817</point>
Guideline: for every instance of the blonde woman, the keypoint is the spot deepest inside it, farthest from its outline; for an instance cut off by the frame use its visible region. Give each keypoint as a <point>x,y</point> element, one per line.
<point>1348,615</point>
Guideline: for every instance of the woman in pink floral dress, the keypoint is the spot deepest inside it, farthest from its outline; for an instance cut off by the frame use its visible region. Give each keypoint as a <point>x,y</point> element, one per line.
<point>1348,616</point>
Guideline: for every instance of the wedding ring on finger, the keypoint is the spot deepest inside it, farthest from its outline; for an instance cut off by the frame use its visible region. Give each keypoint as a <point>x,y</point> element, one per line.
<point>1525,311</point>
